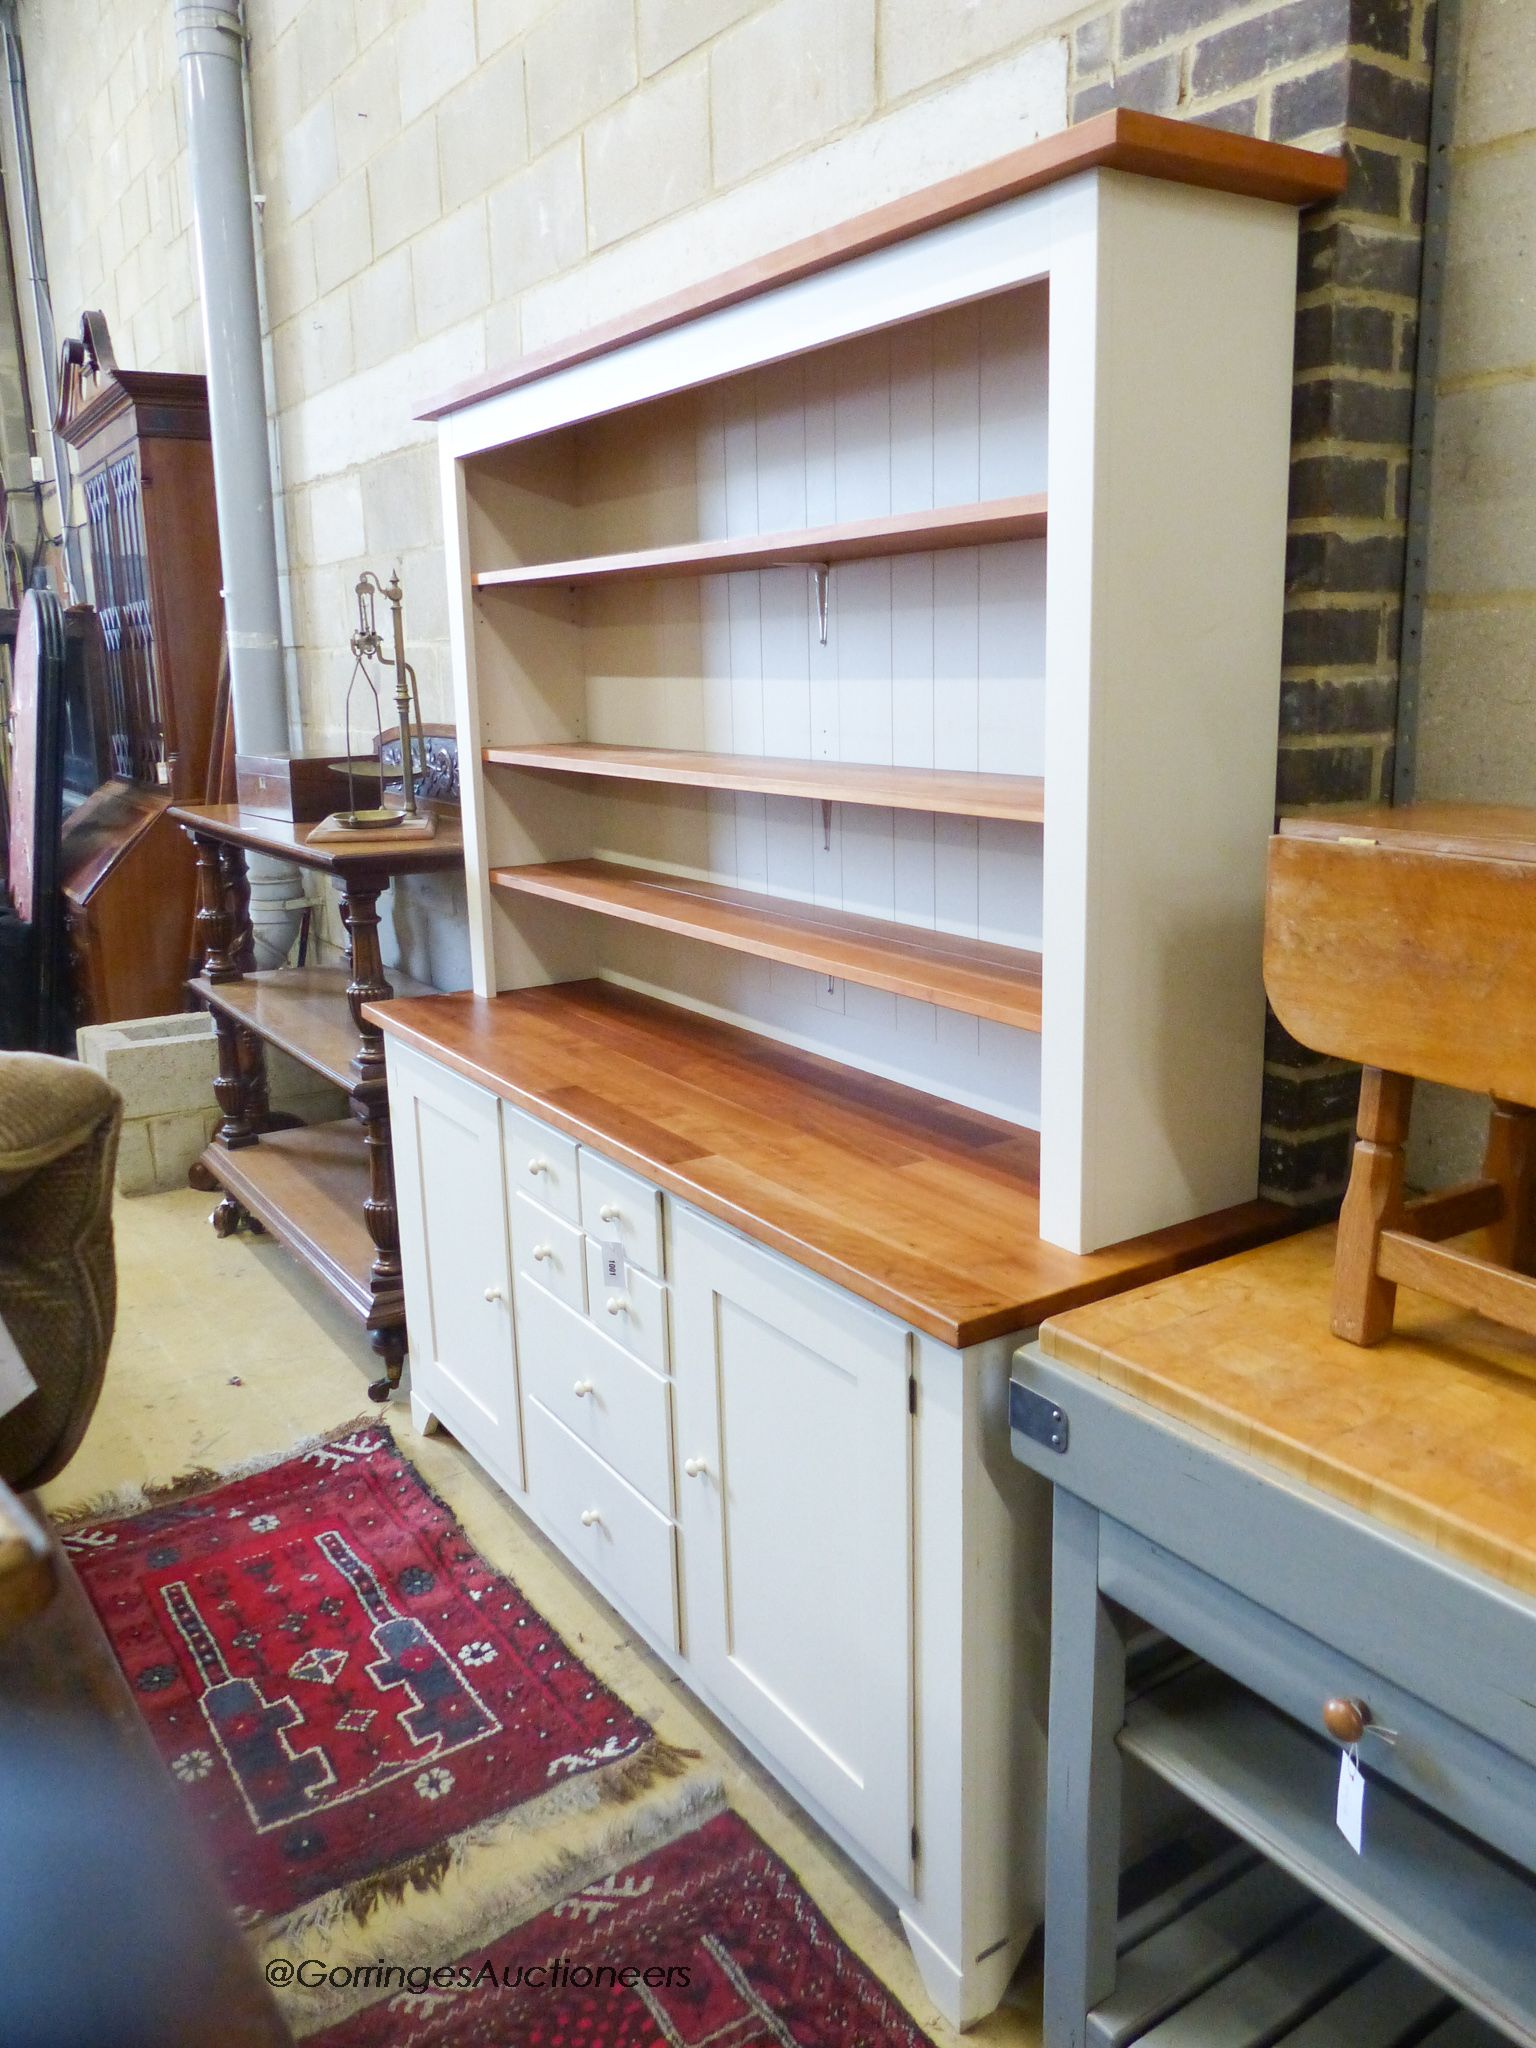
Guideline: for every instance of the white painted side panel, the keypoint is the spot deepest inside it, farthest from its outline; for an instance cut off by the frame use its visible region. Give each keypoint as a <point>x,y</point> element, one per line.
<point>454,1250</point>
<point>796,1532</point>
<point>1170,434</point>
<point>467,720</point>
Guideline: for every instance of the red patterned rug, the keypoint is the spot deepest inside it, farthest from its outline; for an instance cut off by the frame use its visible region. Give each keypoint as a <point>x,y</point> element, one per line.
<point>707,1941</point>
<point>343,1686</point>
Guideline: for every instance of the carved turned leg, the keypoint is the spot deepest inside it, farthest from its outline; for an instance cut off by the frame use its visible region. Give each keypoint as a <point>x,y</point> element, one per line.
<point>252,1052</point>
<point>215,925</point>
<point>1363,1303</point>
<point>222,898</point>
<point>1510,1159</point>
<point>370,1105</point>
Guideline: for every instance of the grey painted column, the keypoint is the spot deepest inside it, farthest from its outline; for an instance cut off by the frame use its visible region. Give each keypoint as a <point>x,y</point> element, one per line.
<point>209,38</point>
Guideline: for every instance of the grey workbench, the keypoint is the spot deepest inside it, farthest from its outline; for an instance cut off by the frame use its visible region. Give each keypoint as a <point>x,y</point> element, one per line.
<point>1244,1549</point>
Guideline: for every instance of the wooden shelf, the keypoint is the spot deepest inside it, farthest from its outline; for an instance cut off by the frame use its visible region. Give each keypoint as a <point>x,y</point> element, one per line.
<point>901,533</point>
<point>308,1187</point>
<point>1000,982</point>
<point>301,1010</point>
<point>925,1208</point>
<point>1451,1907</point>
<point>956,793</point>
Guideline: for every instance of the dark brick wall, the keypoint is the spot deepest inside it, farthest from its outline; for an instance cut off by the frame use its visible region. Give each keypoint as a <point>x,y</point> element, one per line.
<point>1350,75</point>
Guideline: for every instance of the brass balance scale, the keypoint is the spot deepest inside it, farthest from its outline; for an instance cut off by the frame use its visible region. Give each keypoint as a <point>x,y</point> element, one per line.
<point>406,818</point>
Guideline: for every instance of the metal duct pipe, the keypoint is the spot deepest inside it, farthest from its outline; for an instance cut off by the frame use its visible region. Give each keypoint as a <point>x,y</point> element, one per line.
<point>210,41</point>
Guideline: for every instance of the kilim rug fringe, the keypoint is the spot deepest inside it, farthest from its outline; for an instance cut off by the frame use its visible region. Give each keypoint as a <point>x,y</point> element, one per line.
<point>126,1501</point>
<point>500,1882</point>
<point>538,1831</point>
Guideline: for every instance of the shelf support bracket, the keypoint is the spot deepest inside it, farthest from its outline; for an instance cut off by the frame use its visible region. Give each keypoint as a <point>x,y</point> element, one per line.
<point>820,575</point>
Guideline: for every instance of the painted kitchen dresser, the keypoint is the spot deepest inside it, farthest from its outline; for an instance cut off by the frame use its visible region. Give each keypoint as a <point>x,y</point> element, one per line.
<point>865,902</point>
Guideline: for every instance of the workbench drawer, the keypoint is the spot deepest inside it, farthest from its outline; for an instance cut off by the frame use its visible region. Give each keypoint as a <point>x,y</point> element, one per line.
<point>617,1538</point>
<point>541,1163</point>
<point>1450,1766</point>
<point>615,1405</point>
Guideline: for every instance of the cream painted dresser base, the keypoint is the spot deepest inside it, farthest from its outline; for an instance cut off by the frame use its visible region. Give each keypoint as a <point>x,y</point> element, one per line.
<point>805,1507</point>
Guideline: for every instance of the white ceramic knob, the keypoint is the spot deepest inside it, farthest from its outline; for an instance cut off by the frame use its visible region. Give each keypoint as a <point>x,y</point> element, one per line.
<point>610,1212</point>
<point>581,1389</point>
<point>618,1304</point>
<point>543,1251</point>
<point>493,1294</point>
<point>538,1166</point>
<point>589,1517</point>
<point>695,1467</point>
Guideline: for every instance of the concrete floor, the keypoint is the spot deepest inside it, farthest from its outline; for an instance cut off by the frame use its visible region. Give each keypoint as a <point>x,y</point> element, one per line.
<point>227,1350</point>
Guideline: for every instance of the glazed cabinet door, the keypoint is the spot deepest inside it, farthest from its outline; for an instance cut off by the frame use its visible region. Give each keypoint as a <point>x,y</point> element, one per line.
<point>795,1504</point>
<point>454,1250</point>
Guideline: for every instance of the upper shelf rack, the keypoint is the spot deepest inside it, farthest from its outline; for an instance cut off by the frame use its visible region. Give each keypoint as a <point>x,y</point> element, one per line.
<point>951,792</point>
<point>898,533</point>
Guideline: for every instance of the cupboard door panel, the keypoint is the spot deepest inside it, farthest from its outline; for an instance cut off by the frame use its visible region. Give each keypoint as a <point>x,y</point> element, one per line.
<point>453,1241</point>
<point>794,1443</point>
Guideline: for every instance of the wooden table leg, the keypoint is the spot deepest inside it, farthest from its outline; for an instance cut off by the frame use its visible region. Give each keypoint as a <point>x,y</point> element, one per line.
<point>1364,1303</point>
<point>1083,1771</point>
<point>223,898</point>
<point>1510,1160</point>
<point>370,1105</point>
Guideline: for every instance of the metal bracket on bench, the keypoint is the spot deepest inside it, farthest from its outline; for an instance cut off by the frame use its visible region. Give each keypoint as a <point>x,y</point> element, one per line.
<point>1032,1415</point>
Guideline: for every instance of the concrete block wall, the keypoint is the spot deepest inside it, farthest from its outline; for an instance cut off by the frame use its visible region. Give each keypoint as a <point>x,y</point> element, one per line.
<point>1477,731</point>
<point>447,182</point>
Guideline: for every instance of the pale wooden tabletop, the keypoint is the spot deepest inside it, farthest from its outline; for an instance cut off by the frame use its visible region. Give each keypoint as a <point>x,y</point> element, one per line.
<point>1432,1432</point>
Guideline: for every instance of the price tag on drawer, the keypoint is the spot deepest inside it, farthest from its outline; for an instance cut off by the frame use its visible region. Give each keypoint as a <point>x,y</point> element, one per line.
<point>1350,1811</point>
<point>615,1266</point>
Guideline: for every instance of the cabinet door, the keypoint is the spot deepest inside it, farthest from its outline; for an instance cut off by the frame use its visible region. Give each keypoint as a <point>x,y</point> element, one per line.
<point>453,1247</point>
<point>794,1441</point>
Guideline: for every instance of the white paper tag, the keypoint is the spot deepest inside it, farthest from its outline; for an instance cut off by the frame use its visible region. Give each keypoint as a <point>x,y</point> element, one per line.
<point>615,1266</point>
<point>15,1381</point>
<point>1350,1811</point>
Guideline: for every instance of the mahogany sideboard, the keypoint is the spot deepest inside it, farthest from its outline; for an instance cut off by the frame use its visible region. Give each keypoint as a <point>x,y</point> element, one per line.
<point>325,1191</point>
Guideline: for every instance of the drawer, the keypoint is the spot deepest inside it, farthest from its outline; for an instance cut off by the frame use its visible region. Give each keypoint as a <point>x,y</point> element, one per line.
<point>549,1251</point>
<point>617,1538</point>
<point>610,1401</point>
<point>540,1162</point>
<point>618,1204</point>
<point>1451,1767</point>
<point>634,1315</point>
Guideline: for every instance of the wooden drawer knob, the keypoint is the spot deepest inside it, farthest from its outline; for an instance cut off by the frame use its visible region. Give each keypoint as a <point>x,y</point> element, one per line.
<point>590,1517</point>
<point>538,1166</point>
<point>1346,1719</point>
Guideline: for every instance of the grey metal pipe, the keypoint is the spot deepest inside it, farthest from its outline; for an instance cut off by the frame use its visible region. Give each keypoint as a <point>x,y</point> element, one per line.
<point>210,38</point>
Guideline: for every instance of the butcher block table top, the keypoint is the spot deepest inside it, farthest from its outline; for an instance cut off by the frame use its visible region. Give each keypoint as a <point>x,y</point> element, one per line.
<point>1432,1431</point>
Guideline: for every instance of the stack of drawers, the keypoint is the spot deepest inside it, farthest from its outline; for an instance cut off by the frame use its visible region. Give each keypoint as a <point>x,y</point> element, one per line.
<point>595,1360</point>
